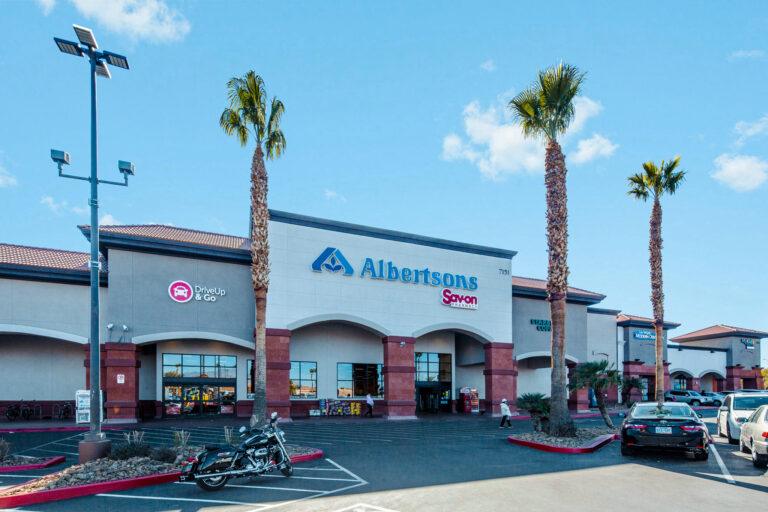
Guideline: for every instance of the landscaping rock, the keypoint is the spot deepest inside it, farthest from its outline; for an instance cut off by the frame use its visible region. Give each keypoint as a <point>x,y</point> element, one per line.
<point>583,437</point>
<point>20,460</point>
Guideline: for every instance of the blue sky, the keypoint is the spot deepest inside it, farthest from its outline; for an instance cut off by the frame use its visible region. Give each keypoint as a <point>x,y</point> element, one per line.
<point>395,118</point>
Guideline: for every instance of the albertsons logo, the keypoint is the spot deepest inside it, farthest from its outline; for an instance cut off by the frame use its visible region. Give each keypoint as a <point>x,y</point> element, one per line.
<point>333,261</point>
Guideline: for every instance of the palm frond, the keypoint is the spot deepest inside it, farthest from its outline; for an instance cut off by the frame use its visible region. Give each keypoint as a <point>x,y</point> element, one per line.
<point>276,112</point>
<point>275,144</point>
<point>231,123</point>
<point>559,85</point>
<point>638,187</point>
<point>527,110</point>
<point>672,179</point>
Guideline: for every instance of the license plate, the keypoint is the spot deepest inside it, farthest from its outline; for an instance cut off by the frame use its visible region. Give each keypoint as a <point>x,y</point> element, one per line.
<point>663,430</point>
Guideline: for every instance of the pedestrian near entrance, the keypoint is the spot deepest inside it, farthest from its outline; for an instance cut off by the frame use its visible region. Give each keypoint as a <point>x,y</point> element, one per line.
<point>505,414</point>
<point>369,405</point>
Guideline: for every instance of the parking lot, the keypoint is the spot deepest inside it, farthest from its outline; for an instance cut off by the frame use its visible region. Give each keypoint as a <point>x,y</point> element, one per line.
<point>446,463</point>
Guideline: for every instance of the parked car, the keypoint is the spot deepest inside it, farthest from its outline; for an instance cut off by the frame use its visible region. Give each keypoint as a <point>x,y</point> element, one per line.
<point>675,427</point>
<point>754,437</point>
<point>694,398</point>
<point>736,408</point>
<point>717,398</point>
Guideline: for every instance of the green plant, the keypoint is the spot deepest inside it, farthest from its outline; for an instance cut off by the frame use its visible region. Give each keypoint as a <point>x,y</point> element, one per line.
<point>537,406</point>
<point>181,439</point>
<point>123,451</point>
<point>5,448</point>
<point>627,385</point>
<point>598,375</point>
<point>164,454</point>
<point>134,437</point>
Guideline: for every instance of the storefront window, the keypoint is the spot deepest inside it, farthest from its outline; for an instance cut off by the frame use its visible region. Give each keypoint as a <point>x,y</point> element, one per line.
<point>197,366</point>
<point>303,379</point>
<point>355,380</point>
<point>433,367</point>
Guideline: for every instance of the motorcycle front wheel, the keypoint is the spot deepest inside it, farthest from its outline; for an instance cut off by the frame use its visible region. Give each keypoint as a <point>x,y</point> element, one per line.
<point>216,483</point>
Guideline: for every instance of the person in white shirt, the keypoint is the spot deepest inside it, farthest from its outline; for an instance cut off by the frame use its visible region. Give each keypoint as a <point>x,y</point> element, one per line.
<point>505,414</point>
<point>369,405</point>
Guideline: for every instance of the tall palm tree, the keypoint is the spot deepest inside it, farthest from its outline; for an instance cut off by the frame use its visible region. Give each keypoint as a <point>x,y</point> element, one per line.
<point>247,117</point>
<point>654,182</point>
<point>545,110</point>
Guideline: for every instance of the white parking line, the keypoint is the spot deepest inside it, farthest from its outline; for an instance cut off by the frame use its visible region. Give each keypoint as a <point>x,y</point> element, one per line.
<point>346,471</point>
<point>723,469</point>
<point>314,478</point>
<point>169,498</point>
<point>58,452</point>
<point>244,486</point>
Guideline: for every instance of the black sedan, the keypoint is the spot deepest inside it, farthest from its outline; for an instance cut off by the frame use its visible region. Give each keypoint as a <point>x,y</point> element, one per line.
<point>674,427</point>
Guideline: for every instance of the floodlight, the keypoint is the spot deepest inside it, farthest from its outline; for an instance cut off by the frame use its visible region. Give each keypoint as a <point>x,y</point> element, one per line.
<point>68,47</point>
<point>60,157</point>
<point>85,36</point>
<point>125,167</point>
<point>102,70</point>
<point>115,59</point>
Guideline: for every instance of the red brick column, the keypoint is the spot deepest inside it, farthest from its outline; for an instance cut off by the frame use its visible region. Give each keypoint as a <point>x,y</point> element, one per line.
<point>577,400</point>
<point>279,372</point>
<point>399,384</point>
<point>695,384</point>
<point>733,376</point>
<point>119,380</point>
<point>500,376</point>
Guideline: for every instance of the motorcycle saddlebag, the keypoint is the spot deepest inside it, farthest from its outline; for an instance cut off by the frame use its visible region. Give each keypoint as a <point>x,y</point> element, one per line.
<point>215,460</point>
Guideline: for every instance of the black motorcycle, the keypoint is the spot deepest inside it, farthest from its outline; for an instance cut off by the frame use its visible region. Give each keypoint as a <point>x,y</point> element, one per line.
<point>262,451</point>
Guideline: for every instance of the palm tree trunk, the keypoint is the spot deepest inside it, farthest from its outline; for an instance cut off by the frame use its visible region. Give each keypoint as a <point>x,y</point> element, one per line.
<point>657,295</point>
<point>260,277</point>
<point>560,423</point>
<point>600,397</point>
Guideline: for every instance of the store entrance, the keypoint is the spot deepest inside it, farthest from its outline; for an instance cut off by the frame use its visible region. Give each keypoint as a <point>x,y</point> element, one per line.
<point>433,382</point>
<point>198,399</point>
<point>432,398</point>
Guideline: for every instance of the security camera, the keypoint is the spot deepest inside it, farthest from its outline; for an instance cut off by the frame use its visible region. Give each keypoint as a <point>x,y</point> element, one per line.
<point>125,328</point>
<point>126,168</point>
<point>60,157</point>
<point>110,326</point>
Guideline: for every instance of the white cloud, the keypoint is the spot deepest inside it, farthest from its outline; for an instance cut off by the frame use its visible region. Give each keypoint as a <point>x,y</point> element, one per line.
<point>53,205</point>
<point>108,220</point>
<point>47,6</point>
<point>151,20</point>
<point>7,179</point>
<point>596,146</point>
<point>747,55</point>
<point>332,195</point>
<point>488,65</point>
<point>80,210</point>
<point>746,130</point>
<point>496,145</point>
<point>742,173</point>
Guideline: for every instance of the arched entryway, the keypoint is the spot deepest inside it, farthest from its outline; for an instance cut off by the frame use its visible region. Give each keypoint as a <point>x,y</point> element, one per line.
<point>712,381</point>
<point>681,380</point>
<point>534,371</point>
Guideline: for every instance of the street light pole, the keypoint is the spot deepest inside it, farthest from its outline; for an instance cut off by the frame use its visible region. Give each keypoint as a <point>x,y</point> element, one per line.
<point>94,444</point>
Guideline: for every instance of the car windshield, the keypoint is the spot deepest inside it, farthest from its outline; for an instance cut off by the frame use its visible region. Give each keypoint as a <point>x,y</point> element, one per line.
<point>694,393</point>
<point>748,403</point>
<point>652,411</point>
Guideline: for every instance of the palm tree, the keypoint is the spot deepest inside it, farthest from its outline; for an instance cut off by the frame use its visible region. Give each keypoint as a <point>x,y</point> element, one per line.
<point>247,117</point>
<point>599,376</point>
<point>545,110</point>
<point>656,181</point>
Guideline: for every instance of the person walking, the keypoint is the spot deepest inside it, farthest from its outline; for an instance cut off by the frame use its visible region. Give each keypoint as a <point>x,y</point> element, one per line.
<point>505,414</point>
<point>369,405</point>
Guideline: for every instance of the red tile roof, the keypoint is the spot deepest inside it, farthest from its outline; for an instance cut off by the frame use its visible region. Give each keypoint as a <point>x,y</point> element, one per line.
<point>719,331</point>
<point>541,285</point>
<point>174,234</point>
<point>41,257</point>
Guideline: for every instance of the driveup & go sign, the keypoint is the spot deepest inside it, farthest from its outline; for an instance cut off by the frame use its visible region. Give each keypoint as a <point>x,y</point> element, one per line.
<point>183,292</point>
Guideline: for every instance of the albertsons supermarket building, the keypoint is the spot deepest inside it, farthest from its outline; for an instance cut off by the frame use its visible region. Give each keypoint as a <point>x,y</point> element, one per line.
<point>412,320</point>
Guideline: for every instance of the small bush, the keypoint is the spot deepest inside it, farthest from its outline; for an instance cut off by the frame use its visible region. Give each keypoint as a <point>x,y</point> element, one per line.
<point>538,406</point>
<point>134,437</point>
<point>5,448</point>
<point>163,454</point>
<point>180,439</point>
<point>125,451</point>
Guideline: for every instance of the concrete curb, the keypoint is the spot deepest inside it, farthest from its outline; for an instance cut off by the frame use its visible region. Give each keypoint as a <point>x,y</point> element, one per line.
<point>594,445</point>
<point>24,430</point>
<point>78,491</point>
<point>47,463</point>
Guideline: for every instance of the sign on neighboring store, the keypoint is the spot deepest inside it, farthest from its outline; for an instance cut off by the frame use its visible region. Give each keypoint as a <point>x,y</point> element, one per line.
<point>748,343</point>
<point>183,292</point>
<point>458,300</point>
<point>83,406</point>
<point>542,325</point>
<point>644,335</point>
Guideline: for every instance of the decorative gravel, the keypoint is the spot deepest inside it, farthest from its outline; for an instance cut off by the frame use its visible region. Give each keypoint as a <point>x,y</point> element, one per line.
<point>20,460</point>
<point>583,437</point>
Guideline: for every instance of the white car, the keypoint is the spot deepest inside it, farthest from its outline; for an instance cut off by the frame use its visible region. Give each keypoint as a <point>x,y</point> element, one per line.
<point>754,437</point>
<point>735,410</point>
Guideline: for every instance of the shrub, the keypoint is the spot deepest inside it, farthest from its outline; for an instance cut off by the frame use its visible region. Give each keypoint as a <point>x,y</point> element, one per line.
<point>5,448</point>
<point>538,406</point>
<point>134,437</point>
<point>125,451</point>
<point>180,439</point>
<point>163,454</point>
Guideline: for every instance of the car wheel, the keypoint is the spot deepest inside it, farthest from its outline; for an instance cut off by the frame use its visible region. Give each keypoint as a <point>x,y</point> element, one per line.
<point>759,461</point>
<point>701,455</point>
<point>695,403</point>
<point>717,403</point>
<point>627,450</point>
<point>742,447</point>
<point>719,430</point>
<point>731,440</point>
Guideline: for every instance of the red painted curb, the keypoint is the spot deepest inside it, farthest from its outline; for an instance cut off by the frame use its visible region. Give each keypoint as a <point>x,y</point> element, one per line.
<point>25,430</point>
<point>594,445</point>
<point>47,463</point>
<point>306,457</point>
<point>77,491</point>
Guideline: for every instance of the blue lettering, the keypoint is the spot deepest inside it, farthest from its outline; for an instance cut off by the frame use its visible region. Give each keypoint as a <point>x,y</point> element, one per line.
<point>435,278</point>
<point>381,269</point>
<point>461,281</point>
<point>473,283</point>
<point>392,273</point>
<point>426,276</point>
<point>405,275</point>
<point>369,269</point>
<point>447,279</point>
